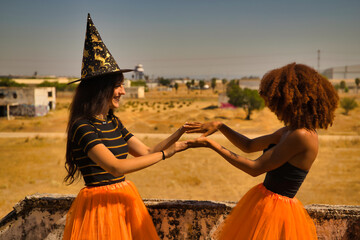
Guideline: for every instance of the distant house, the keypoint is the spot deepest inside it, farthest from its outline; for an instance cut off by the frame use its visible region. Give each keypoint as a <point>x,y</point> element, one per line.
<point>152,85</point>
<point>344,72</point>
<point>250,83</point>
<point>134,92</point>
<point>27,101</point>
<point>164,89</point>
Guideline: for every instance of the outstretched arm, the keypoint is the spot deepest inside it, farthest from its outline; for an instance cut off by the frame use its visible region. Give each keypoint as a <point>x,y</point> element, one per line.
<point>248,145</point>
<point>138,148</point>
<point>101,155</point>
<point>240,141</point>
<point>169,141</point>
<point>290,147</point>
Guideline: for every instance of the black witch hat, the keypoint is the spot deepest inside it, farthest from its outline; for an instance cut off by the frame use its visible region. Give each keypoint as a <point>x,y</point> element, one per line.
<point>97,60</point>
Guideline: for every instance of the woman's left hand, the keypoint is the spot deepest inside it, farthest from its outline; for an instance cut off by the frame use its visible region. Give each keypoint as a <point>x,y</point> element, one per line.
<point>198,142</point>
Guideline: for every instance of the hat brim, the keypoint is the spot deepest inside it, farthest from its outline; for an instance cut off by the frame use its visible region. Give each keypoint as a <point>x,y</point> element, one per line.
<point>103,74</point>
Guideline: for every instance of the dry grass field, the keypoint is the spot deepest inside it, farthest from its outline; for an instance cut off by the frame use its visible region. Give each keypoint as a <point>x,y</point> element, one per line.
<point>36,165</point>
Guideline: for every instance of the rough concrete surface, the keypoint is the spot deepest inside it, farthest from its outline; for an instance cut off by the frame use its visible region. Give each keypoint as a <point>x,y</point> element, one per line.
<point>43,217</point>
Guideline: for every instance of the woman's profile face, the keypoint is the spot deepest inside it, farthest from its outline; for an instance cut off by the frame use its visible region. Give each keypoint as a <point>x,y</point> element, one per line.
<point>119,90</point>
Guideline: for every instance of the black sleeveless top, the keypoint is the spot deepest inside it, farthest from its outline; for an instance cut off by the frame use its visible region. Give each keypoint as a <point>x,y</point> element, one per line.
<point>284,180</point>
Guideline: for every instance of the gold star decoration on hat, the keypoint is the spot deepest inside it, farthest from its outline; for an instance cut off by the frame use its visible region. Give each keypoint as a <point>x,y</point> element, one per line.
<point>97,59</point>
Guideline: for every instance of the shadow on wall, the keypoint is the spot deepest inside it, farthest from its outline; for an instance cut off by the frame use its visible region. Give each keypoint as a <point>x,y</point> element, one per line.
<point>43,217</point>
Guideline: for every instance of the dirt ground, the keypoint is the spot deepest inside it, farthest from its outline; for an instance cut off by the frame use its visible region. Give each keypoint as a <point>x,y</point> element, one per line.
<point>36,165</point>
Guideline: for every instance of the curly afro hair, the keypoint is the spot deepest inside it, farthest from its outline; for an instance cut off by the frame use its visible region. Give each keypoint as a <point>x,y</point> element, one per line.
<point>299,96</point>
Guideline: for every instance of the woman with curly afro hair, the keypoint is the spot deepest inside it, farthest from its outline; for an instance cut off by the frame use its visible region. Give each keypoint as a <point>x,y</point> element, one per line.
<point>304,101</point>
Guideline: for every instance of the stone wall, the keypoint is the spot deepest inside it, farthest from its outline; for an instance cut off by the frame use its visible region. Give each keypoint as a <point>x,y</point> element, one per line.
<point>43,217</point>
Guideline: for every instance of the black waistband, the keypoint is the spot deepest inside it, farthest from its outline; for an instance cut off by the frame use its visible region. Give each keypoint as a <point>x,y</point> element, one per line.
<point>100,182</point>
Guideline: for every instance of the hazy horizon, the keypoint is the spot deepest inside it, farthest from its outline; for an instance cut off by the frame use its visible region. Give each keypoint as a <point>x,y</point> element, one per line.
<point>195,39</point>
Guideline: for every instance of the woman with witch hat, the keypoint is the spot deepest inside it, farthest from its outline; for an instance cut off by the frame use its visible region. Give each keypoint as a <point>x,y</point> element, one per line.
<point>305,101</point>
<point>109,207</point>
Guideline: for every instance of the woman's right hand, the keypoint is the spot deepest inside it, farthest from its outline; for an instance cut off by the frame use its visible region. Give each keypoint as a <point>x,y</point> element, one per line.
<point>174,148</point>
<point>207,128</point>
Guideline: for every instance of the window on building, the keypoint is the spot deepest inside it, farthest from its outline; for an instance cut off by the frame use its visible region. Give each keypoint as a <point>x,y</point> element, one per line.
<point>50,94</point>
<point>14,95</point>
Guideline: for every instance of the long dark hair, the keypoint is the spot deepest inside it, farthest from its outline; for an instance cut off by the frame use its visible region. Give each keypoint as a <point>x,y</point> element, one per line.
<point>91,97</point>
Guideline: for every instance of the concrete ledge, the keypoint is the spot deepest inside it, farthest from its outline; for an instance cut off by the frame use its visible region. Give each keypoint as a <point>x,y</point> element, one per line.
<point>336,221</point>
<point>43,217</point>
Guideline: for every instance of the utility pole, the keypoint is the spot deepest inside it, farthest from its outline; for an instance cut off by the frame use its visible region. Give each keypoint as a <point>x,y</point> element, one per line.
<point>318,60</point>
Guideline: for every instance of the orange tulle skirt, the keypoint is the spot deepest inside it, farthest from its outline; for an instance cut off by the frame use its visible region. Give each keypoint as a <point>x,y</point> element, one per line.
<point>109,212</point>
<point>262,214</point>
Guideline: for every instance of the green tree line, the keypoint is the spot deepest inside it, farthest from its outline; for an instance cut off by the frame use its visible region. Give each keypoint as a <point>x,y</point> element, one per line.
<point>8,82</point>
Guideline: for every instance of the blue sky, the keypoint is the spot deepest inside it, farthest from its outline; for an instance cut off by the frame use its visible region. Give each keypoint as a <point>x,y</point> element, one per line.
<point>198,38</point>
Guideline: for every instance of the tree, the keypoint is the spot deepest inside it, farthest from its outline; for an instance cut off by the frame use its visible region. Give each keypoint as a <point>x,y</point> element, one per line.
<point>348,104</point>
<point>201,84</point>
<point>233,84</point>
<point>164,82</point>
<point>213,84</point>
<point>246,98</point>
<point>224,81</point>
<point>188,85</point>
<point>343,85</point>
<point>176,86</point>
<point>357,82</point>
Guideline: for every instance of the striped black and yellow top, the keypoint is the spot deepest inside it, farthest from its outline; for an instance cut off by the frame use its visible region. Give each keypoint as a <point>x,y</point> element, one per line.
<point>89,132</point>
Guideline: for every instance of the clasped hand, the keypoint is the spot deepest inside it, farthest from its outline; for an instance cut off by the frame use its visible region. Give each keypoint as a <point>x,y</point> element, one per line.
<point>205,128</point>
<point>197,127</point>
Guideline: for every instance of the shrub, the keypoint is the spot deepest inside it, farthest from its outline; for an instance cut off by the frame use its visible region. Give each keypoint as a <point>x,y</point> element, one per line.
<point>7,82</point>
<point>348,104</point>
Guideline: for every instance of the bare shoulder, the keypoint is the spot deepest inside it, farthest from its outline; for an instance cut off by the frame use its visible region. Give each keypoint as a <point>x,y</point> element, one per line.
<point>281,131</point>
<point>306,143</point>
<point>302,138</point>
<point>303,135</point>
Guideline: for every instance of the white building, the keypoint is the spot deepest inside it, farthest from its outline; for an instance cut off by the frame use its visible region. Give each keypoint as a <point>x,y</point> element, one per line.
<point>134,92</point>
<point>27,101</point>
<point>250,83</point>
<point>139,72</point>
<point>344,72</point>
